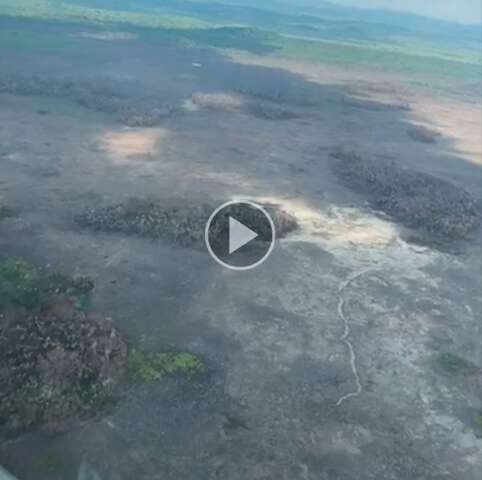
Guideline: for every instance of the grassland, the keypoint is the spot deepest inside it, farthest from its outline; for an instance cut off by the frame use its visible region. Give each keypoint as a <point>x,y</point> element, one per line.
<point>437,55</point>
<point>67,12</point>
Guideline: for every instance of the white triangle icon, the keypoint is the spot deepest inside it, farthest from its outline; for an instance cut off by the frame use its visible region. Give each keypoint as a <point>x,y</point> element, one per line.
<point>239,235</point>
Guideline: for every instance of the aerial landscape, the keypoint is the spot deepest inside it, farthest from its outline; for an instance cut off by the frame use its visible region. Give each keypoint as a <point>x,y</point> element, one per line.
<point>353,352</point>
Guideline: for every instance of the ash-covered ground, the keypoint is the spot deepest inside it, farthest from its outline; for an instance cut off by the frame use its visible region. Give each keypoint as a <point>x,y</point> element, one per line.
<point>354,352</point>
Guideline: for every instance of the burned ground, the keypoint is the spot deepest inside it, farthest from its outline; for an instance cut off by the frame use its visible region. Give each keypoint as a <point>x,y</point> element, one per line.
<point>336,358</point>
<point>99,95</point>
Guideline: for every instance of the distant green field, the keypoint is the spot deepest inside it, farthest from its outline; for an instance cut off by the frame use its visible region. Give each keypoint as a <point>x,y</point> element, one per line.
<point>433,55</point>
<point>439,72</point>
<point>68,12</point>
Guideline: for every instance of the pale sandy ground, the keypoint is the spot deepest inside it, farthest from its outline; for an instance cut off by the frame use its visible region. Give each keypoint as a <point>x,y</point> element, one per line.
<point>325,356</point>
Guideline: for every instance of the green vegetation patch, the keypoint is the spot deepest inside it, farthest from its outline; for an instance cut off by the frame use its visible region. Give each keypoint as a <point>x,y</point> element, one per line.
<point>237,38</point>
<point>49,463</point>
<point>57,361</point>
<point>456,365</point>
<point>5,212</point>
<point>155,367</point>
<point>25,285</point>
<point>69,12</point>
<point>478,421</point>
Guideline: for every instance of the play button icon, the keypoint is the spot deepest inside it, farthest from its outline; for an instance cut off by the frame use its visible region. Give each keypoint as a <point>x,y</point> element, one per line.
<point>240,235</point>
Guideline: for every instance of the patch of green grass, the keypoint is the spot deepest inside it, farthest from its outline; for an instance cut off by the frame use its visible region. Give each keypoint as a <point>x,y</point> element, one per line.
<point>152,368</point>
<point>479,420</point>
<point>476,423</point>
<point>435,70</point>
<point>456,365</point>
<point>67,12</point>
<point>23,284</point>
<point>245,39</point>
<point>5,212</point>
<point>49,463</point>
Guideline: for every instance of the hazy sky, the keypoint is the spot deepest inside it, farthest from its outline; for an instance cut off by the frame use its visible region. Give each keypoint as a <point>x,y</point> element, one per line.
<point>469,11</point>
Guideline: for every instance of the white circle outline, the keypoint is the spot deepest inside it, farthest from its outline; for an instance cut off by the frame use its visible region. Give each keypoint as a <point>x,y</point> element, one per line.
<point>251,204</point>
